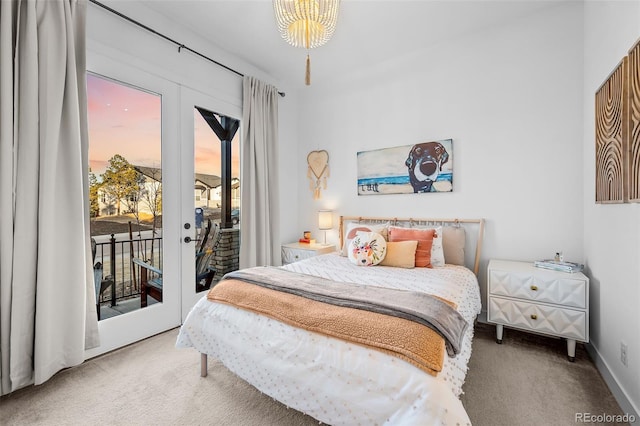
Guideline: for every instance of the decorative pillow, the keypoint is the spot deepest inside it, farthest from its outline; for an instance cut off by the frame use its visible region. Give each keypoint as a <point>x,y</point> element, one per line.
<point>437,252</point>
<point>424,238</point>
<point>353,227</point>
<point>401,254</point>
<point>367,249</point>
<point>453,241</point>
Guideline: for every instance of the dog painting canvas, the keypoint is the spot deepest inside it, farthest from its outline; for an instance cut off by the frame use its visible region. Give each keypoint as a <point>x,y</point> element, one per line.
<point>408,169</point>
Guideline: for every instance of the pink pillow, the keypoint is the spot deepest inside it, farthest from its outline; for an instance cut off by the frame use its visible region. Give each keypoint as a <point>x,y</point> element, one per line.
<point>424,238</point>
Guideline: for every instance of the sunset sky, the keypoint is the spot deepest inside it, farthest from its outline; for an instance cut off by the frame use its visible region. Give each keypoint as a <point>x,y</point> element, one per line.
<point>127,121</point>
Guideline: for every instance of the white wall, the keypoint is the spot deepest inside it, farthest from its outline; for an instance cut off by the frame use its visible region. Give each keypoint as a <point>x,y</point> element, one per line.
<point>510,98</point>
<point>611,232</point>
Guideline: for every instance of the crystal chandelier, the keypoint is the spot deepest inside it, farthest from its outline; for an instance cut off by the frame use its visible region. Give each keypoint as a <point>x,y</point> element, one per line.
<point>306,23</point>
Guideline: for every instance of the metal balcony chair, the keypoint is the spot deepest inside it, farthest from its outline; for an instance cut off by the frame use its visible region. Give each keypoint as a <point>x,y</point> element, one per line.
<point>100,281</point>
<point>150,282</point>
<point>151,277</point>
<point>205,270</point>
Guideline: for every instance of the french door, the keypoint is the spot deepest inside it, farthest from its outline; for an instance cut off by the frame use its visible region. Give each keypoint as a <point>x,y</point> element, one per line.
<point>155,182</point>
<point>134,155</point>
<point>201,184</point>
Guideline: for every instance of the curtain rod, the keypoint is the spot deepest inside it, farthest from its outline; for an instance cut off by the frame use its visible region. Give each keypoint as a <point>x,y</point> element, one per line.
<point>169,39</point>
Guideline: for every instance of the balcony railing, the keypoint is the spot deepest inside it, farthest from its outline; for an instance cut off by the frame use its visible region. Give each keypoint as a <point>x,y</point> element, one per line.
<point>116,254</point>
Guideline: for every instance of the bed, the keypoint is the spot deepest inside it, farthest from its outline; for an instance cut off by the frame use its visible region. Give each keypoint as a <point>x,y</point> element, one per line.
<point>342,382</point>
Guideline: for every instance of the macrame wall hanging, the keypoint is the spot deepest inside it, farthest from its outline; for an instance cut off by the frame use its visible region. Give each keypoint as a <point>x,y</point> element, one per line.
<point>318,171</point>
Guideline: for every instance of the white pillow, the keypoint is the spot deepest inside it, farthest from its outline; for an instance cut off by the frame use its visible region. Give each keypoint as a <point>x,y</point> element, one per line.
<point>367,249</point>
<point>353,227</point>
<point>437,250</point>
<point>448,246</point>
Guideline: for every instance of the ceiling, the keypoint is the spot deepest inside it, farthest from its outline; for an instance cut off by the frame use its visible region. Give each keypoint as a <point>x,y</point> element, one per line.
<point>368,32</point>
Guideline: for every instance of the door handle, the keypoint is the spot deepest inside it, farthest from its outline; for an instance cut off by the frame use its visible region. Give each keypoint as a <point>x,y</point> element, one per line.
<point>187,239</point>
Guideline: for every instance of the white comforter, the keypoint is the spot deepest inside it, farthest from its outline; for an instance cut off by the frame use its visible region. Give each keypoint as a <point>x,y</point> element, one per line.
<point>336,382</point>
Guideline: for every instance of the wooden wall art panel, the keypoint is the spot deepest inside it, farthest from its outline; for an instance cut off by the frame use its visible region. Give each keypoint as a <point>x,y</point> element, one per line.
<point>634,124</point>
<point>611,107</point>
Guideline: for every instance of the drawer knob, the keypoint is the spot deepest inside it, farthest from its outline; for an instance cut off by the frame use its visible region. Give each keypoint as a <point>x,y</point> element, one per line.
<point>534,317</point>
<point>534,287</point>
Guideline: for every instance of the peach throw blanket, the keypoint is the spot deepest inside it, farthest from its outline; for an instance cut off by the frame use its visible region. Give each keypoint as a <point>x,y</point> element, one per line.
<point>405,339</point>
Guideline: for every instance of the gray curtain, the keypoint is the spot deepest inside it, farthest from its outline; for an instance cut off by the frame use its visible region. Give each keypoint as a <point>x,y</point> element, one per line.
<point>47,301</point>
<point>260,233</point>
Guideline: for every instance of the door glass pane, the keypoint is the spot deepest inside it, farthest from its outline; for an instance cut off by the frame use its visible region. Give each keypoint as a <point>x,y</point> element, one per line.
<point>216,250</point>
<point>125,138</point>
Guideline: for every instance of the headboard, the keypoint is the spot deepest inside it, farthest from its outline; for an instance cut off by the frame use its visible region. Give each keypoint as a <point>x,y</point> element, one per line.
<point>473,243</point>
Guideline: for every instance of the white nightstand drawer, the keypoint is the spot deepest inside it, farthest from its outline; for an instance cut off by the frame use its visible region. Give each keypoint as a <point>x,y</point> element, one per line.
<point>552,320</point>
<point>294,252</point>
<point>294,255</point>
<point>540,286</point>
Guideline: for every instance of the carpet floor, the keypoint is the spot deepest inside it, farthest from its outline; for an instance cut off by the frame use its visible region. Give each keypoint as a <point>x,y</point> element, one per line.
<point>525,381</point>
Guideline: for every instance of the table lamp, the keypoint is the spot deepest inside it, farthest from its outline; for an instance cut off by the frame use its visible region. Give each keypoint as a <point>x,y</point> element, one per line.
<point>325,222</point>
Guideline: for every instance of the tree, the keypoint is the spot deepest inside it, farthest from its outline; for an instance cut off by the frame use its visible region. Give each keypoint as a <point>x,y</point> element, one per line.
<point>120,180</point>
<point>132,200</point>
<point>152,195</point>
<point>94,205</point>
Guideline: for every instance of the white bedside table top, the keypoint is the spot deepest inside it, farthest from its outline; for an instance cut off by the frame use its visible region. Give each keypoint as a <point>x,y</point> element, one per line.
<point>521,266</point>
<point>306,246</point>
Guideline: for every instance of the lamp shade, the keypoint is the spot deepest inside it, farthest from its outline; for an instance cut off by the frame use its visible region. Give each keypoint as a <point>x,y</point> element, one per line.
<point>306,23</point>
<point>325,220</point>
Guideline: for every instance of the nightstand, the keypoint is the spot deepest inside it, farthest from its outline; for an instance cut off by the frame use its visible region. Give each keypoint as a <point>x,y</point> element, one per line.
<point>294,252</point>
<point>522,296</point>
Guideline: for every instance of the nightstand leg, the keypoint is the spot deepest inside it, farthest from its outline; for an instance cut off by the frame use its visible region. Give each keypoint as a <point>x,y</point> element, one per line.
<point>499,331</point>
<point>571,349</point>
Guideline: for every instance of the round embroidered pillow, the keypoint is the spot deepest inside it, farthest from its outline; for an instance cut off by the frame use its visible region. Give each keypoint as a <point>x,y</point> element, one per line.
<point>367,249</point>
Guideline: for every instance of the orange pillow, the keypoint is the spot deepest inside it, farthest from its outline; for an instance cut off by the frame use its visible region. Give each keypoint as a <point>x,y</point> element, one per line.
<point>401,254</point>
<point>424,238</point>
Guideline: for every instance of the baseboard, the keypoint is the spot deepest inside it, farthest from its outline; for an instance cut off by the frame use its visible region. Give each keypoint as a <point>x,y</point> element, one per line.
<point>618,393</point>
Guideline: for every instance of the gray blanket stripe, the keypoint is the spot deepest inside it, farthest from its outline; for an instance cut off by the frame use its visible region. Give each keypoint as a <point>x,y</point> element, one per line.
<point>414,306</point>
